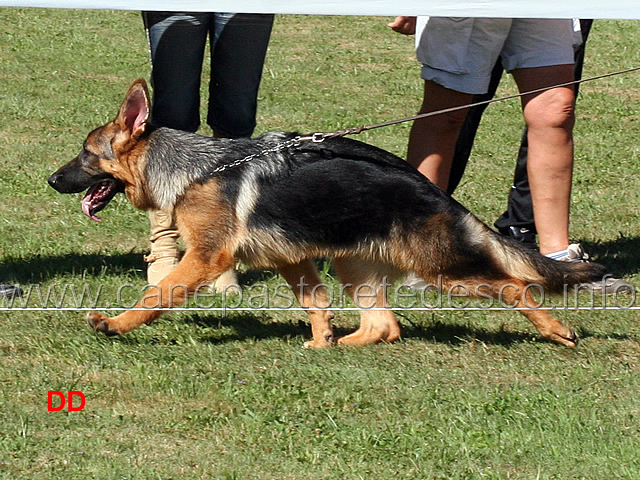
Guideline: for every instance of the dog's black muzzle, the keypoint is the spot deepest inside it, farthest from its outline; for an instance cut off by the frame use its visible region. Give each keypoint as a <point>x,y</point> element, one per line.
<point>73,178</point>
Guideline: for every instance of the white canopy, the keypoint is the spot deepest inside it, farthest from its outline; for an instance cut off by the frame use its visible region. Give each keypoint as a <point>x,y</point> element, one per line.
<point>613,9</point>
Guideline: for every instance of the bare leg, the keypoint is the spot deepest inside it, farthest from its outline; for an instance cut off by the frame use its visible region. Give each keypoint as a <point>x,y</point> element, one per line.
<point>366,284</point>
<point>307,286</point>
<point>432,140</point>
<point>171,291</point>
<point>550,118</point>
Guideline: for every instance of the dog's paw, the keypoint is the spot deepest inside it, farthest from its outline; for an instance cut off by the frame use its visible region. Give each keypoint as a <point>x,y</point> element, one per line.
<point>569,339</point>
<point>326,342</point>
<point>572,340</point>
<point>100,323</point>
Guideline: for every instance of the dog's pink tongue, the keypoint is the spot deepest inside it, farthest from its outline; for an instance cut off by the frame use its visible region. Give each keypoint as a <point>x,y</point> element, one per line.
<point>86,206</point>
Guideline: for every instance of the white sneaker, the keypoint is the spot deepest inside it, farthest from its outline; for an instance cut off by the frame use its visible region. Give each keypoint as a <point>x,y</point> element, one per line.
<point>609,285</point>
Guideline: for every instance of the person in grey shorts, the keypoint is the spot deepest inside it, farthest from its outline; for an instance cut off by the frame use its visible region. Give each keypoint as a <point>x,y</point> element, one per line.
<point>517,220</point>
<point>458,56</point>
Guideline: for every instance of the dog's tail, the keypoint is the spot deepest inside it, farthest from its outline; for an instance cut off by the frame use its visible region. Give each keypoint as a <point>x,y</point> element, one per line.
<point>530,266</point>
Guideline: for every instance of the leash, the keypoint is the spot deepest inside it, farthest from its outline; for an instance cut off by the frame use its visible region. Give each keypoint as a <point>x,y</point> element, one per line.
<point>320,137</point>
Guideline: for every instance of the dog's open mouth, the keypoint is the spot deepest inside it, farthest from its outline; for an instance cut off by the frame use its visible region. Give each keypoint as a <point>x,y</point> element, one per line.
<point>98,196</point>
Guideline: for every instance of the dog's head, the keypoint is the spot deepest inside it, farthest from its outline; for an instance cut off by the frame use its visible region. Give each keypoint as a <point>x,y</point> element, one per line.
<point>109,160</point>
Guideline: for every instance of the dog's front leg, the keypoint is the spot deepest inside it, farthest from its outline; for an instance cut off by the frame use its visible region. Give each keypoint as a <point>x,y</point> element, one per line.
<point>192,272</point>
<point>307,286</point>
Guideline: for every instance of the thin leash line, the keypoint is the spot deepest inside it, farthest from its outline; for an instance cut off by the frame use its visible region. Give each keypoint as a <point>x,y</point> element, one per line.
<point>320,137</point>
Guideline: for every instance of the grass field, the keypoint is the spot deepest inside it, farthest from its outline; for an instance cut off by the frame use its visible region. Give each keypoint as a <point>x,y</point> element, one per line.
<point>232,395</point>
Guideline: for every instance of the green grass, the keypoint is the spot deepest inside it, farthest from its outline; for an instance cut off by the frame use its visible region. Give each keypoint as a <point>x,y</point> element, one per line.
<point>463,395</point>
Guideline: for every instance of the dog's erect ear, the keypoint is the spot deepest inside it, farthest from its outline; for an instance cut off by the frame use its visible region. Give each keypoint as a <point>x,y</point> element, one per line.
<point>134,111</point>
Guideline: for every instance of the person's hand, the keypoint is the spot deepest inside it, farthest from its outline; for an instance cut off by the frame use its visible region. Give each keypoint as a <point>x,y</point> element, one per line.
<point>404,25</point>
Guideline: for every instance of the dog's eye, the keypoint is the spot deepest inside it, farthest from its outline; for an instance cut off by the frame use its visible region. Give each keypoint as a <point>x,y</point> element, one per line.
<point>89,155</point>
<point>88,159</point>
<point>86,154</point>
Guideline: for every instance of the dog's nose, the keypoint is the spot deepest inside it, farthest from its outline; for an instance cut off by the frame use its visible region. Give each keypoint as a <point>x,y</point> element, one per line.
<point>54,179</point>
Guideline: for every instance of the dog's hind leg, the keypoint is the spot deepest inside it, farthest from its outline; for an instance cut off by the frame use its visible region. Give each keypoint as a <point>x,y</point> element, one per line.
<point>549,327</point>
<point>192,272</point>
<point>367,285</point>
<point>307,286</point>
<point>516,293</point>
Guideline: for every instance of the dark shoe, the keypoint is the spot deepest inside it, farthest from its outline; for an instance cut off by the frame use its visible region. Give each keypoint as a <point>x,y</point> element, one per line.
<point>10,291</point>
<point>521,235</point>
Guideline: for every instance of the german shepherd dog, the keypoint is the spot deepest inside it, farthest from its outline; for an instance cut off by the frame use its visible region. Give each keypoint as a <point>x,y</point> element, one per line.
<point>369,211</point>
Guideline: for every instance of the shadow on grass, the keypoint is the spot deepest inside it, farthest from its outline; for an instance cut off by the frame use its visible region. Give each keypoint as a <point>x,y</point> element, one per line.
<point>621,256</point>
<point>585,333</point>
<point>450,334</point>
<point>618,255</point>
<point>246,325</point>
<point>40,268</point>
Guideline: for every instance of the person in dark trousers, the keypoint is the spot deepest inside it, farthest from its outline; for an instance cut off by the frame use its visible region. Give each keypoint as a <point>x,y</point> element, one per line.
<point>177,42</point>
